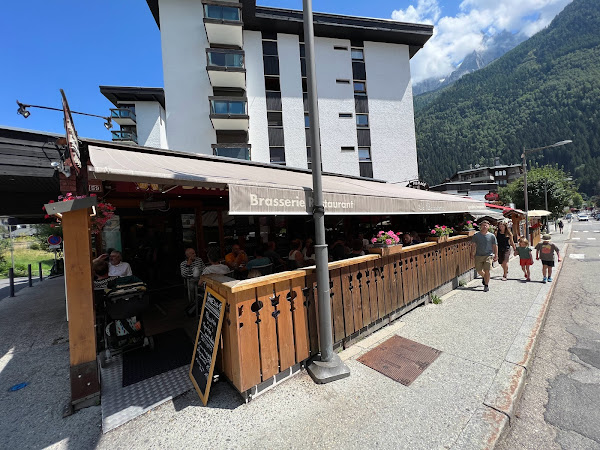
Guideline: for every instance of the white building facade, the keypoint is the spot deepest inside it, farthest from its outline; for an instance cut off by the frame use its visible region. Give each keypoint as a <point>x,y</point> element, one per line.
<point>235,86</point>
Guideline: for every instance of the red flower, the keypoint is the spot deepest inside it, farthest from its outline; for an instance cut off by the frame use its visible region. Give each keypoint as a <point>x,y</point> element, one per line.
<point>51,225</point>
<point>46,216</point>
<point>51,201</point>
<point>92,195</point>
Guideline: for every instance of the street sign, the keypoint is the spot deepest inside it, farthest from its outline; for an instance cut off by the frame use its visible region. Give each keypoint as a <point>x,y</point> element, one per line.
<point>54,240</point>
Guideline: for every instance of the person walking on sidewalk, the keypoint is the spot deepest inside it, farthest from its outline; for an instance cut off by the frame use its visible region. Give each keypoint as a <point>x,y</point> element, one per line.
<point>560,225</point>
<point>545,251</point>
<point>525,257</point>
<point>485,252</point>
<point>505,241</point>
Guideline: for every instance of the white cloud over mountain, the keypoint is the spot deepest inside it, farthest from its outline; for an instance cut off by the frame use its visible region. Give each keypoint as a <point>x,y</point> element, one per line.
<point>455,37</point>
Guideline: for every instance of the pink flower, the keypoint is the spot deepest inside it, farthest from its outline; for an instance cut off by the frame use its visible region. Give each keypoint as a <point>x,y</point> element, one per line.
<point>443,227</point>
<point>46,216</point>
<point>388,241</point>
<point>373,240</point>
<point>50,201</point>
<point>432,231</point>
<point>381,233</point>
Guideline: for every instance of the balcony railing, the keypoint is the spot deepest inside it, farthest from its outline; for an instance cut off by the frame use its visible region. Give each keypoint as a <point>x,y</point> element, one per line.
<point>124,136</point>
<point>240,152</point>
<point>222,58</point>
<point>228,106</point>
<point>122,113</point>
<point>220,12</point>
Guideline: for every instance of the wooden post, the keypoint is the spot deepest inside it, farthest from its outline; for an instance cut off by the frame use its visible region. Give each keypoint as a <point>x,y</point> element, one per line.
<point>85,385</point>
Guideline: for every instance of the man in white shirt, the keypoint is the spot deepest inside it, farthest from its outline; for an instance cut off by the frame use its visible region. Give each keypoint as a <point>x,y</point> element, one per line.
<point>118,268</point>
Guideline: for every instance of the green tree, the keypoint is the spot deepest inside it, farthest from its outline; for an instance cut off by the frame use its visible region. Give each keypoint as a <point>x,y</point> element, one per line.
<point>45,230</point>
<point>560,188</point>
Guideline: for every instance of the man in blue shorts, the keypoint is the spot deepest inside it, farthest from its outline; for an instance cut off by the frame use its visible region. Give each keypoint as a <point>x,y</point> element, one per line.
<point>485,252</point>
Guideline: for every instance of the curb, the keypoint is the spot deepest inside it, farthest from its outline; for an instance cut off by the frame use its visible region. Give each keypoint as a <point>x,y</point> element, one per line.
<point>495,415</point>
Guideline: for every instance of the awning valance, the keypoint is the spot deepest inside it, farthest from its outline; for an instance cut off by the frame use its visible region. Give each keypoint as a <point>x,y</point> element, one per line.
<point>265,189</point>
<point>538,213</point>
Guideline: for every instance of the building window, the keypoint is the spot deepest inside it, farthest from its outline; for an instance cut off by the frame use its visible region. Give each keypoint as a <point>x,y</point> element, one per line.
<point>340,47</point>
<point>277,155</point>
<point>362,120</point>
<point>222,59</point>
<point>366,169</point>
<point>338,81</point>
<point>274,119</point>
<point>348,149</point>
<point>232,107</point>
<point>364,154</point>
<point>272,84</point>
<point>360,87</point>
<point>357,54</point>
<point>306,120</point>
<point>345,115</point>
<point>269,48</point>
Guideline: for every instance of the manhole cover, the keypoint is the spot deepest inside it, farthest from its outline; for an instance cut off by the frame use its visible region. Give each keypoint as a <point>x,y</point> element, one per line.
<point>400,359</point>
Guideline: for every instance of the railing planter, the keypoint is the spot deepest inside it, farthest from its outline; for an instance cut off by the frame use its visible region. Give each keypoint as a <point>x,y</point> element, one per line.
<point>385,249</point>
<point>468,233</point>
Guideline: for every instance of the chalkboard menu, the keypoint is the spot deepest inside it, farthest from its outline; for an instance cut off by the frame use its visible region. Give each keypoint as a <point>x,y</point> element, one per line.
<point>207,340</point>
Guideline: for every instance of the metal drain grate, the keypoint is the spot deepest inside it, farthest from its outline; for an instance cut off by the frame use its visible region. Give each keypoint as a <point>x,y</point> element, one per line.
<point>400,359</point>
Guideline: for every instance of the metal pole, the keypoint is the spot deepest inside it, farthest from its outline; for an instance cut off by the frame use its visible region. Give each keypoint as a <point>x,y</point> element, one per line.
<point>12,247</point>
<point>327,366</point>
<point>526,199</point>
<point>11,279</point>
<point>41,273</point>
<point>546,205</point>
<point>30,280</point>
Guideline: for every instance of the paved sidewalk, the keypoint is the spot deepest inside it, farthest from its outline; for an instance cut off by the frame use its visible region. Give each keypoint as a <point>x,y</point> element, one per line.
<point>463,400</point>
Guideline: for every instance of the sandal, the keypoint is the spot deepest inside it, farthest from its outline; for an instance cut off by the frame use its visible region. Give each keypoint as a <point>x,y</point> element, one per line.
<point>504,278</point>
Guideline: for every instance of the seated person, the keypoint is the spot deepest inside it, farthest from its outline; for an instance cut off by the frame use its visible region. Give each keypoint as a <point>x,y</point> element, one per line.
<point>192,266</point>
<point>407,239</point>
<point>254,273</point>
<point>295,257</point>
<point>272,254</point>
<point>101,277</point>
<point>214,265</point>
<point>118,268</point>
<point>415,238</point>
<point>259,259</point>
<point>357,249</point>
<point>339,250</point>
<point>236,258</point>
<point>308,252</point>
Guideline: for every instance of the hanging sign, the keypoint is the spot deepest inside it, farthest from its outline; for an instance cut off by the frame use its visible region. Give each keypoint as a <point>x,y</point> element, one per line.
<point>207,340</point>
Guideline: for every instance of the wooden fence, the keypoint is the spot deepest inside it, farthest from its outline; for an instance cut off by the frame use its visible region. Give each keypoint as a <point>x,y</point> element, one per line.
<point>271,324</point>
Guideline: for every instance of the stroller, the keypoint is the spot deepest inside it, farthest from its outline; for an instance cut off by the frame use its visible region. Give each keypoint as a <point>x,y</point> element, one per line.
<point>125,300</point>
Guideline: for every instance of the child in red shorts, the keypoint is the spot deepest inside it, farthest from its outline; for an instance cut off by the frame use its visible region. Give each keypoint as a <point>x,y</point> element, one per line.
<point>524,252</point>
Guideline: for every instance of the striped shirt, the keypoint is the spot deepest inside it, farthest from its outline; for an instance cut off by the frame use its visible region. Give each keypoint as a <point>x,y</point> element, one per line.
<point>188,271</point>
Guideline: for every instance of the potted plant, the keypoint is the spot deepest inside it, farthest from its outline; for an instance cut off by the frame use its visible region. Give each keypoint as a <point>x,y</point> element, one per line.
<point>440,233</point>
<point>386,243</point>
<point>103,211</point>
<point>386,239</point>
<point>467,228</point>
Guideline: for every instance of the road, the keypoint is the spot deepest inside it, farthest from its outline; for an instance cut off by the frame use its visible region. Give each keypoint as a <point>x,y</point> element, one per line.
<point>20,283</point>
<point>560,406</point>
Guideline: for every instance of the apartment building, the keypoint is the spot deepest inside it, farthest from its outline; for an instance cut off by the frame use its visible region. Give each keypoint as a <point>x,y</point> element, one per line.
<point>235,86</point>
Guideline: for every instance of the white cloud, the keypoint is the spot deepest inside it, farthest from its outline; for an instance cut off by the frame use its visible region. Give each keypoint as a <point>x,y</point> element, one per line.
<point>456,37</point>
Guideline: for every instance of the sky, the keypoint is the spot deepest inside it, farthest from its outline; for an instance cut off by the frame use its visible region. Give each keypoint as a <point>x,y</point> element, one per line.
<point>79,45</point>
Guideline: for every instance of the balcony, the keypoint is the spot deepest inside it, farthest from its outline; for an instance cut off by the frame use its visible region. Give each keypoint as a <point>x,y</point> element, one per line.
<point>123,116</point>
<point>223,23</point>
<point>237,151</point>
<point>229,113</point>
<point>226,67</point>
<point>124,136</point>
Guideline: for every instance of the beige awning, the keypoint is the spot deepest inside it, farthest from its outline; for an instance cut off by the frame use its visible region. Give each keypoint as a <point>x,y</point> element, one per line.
<point>256,188</point>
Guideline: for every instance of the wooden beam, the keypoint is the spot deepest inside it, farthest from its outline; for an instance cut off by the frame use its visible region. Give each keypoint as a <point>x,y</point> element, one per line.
<point>79,286</point>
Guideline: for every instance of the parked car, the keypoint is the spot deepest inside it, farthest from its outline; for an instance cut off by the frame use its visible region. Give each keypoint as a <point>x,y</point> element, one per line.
<point>583,217</point>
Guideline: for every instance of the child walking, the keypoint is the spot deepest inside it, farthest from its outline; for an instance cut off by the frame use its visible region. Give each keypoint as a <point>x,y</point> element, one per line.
<point>546,250</point>
<point>525,257</point>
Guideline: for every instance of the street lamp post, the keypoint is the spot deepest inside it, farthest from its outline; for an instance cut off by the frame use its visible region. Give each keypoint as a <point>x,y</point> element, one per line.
<point>23,112</point>
<point>525,152</point>
<point>327,366</point>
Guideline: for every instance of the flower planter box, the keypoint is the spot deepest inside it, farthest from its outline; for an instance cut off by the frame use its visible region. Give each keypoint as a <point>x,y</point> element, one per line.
<point>468,233</point>
<point>438,239</point>
<point>385,250</point>
<point>70,205</point>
